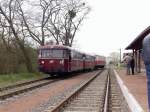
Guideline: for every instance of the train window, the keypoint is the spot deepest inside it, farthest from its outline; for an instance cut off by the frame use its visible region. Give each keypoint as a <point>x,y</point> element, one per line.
<point>57,53</point>
<point>76,55</point>
<point>48,53</point>
<point>89,58</point>
<point>44,53</point>
<point>66,53</point>
<point>73,54</point>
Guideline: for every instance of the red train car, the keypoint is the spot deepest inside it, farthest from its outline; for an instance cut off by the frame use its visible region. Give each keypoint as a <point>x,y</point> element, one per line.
<point>58,59</point>
<point>100,61</point>
<point>89,62</point>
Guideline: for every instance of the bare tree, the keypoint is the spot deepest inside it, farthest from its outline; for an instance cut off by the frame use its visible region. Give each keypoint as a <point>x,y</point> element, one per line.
<point>114,57</point>
<point>35,21</point>
<point>55,19</point>
<point>64,23</point>
<point>9,13</point>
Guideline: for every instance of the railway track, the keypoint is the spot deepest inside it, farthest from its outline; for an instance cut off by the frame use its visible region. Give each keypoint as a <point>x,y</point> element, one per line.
<point>20,84</point>
<point>12,90</point>
<point>95,95</point>
<point>116,100</point>
<point>83,98</point>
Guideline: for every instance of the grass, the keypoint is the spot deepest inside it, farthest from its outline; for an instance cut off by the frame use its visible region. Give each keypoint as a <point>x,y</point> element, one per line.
<point>10,79</point>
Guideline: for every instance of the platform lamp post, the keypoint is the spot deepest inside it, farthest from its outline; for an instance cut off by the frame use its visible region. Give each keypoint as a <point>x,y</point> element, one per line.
<point>120,54</point>
<point>119,63</point>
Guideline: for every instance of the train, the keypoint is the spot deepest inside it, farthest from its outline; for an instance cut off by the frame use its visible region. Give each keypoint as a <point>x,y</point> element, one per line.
<point>60,60</point>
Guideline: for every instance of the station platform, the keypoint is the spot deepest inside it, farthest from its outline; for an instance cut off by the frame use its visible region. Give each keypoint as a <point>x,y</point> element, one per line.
<point>135,89</point>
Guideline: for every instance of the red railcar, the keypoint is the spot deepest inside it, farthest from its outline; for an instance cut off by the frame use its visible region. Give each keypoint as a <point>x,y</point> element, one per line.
<point>100,61</point>
<point>89,62</point>
<point>58,59</point>
<point>53,59</point>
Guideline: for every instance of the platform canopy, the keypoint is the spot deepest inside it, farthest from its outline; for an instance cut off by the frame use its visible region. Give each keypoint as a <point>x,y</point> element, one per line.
<point>137,43</point>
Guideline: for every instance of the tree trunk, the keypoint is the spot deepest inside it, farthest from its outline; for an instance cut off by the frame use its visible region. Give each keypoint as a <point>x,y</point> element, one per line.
<point>18,40</point>
<point>27,59</point>
<point>24,51</point>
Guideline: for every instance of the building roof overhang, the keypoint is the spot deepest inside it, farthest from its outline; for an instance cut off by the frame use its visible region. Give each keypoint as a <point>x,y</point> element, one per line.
<point>137,42</point>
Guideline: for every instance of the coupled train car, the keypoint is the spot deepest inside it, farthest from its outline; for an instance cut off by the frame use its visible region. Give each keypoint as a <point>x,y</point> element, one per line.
<point>100,61</point>
<point>59,59</point>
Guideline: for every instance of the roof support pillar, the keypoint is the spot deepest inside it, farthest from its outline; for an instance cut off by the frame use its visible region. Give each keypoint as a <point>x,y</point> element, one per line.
<point>136,61</point>
<point>139,61</point>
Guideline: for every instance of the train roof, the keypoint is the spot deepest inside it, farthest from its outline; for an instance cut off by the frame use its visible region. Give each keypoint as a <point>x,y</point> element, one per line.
<point>54,47</point>
<point>63,47</point>
<point>59,47</point>
<point>99,56</point>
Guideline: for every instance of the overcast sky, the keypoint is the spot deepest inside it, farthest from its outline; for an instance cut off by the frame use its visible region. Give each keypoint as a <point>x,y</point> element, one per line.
<point>112,24</point>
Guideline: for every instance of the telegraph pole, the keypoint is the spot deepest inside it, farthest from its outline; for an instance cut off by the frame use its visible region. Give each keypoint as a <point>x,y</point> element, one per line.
<point>120,54</point>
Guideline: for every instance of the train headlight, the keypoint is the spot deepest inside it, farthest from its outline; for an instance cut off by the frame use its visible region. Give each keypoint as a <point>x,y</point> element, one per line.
<point>51,61</point>
<point>62,62</point>
<point>42,62</point>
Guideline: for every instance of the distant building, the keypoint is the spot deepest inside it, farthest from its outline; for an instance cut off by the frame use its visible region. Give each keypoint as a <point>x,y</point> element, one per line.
<point>108,60</point>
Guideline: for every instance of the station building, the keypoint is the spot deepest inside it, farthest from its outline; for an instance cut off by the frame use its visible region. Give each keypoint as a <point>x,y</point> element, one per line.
<point>136,47</point>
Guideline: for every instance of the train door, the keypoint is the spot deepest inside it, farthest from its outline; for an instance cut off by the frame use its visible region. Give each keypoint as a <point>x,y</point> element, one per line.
<point>84,59</point>
<point>69,60</point>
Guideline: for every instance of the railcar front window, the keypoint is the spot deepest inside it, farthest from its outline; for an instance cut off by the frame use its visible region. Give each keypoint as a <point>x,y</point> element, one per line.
<point>57,53</point>
<point>52,53</point>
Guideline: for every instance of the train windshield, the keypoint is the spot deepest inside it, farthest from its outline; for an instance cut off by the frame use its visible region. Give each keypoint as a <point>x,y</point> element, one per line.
<point>52,53</point>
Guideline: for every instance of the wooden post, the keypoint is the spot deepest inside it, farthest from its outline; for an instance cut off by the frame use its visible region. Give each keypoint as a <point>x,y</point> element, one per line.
<point>136,67</point>
<point>139,61</point>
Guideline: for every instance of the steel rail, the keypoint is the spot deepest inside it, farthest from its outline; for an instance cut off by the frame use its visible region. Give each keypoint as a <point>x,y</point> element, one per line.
<point>107,94</point>
<point>21,84</point>
<point>4,95</point>
<point>73,94</point>
<point>25,89</point>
